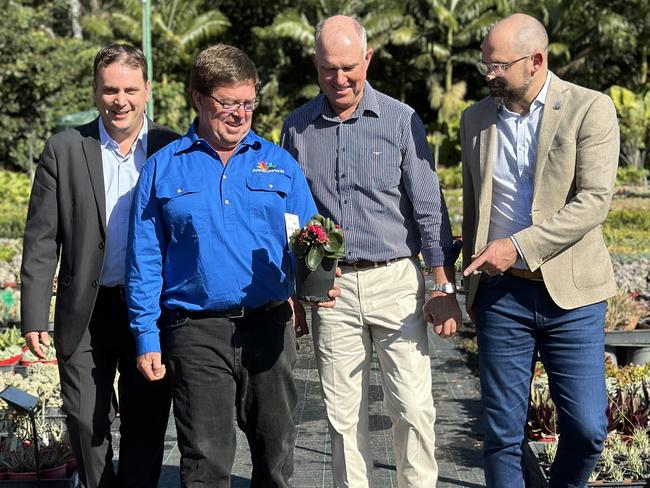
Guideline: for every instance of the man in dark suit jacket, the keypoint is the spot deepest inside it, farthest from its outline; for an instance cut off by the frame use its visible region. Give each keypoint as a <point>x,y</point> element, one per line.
<point>78,213</point>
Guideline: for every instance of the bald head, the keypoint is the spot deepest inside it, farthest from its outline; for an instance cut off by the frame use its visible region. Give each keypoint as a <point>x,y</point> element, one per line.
<point>342,61</point>
<point>338,32</point>
<point>514,61</point>
<point>522,33</point>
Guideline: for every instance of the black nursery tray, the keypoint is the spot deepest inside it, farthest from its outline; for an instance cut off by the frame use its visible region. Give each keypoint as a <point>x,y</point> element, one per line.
<point>636,337</point>
<point>536,476</point>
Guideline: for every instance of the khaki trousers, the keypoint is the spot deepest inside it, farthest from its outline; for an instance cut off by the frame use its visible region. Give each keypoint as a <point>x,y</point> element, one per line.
<point>379,308</point>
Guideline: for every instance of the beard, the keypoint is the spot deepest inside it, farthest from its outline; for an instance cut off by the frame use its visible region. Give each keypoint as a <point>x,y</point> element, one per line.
<point>507,95</point>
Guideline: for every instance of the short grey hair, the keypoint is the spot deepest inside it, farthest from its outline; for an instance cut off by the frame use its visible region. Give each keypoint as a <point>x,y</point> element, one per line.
<point>361,32</point>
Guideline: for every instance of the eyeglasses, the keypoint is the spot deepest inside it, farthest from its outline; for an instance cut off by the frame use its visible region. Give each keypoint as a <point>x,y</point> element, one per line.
<point>496,68</point>
<point>232,107</point>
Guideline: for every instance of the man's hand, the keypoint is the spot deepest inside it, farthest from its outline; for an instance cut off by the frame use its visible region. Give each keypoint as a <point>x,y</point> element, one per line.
<point>494,258</point>
<point>443,312</point>
<point>151,367</point>
<point>34,340</point>
<point>299,317</point>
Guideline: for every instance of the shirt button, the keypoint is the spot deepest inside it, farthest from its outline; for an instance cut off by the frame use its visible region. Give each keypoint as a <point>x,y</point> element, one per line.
<point>227,202</point>
<point>95,283</point>
<point>225,177</point>
<point>101,245</point>
<point>270,186</point>
<point>180,190</point>
<point>342,175</point>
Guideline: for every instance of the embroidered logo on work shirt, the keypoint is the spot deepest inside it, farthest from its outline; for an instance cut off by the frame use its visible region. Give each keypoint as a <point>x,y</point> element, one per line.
<point>264,167</point>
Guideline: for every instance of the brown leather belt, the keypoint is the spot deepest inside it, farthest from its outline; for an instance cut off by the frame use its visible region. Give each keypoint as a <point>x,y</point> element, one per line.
<point>525,274</point>
<point>365,264</point>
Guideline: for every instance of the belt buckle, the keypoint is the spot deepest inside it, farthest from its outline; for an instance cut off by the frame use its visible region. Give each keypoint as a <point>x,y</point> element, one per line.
<point>237,314</point>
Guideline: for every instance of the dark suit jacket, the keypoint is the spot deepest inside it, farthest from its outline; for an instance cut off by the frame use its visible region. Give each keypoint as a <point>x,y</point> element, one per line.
<point>67,219</point>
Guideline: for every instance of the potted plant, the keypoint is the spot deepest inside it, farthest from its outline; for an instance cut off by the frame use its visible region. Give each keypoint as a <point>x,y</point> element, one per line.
<point>627,326</point>
<point>317,247</point>
<point>625,461</point>
<point>28,358</point>
<point>11,343</point>
<point>628,412</point>
<point>21,461</point>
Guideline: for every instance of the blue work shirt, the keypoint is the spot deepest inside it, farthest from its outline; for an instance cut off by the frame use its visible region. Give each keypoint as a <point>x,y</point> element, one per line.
<point>209,237</point>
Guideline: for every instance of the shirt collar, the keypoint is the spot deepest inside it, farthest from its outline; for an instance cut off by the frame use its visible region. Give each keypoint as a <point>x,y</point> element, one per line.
<point>540,99</point>
<point>368,102</point>
<point>192,138</point>
<point>538,102</point>
<point>106,140</point>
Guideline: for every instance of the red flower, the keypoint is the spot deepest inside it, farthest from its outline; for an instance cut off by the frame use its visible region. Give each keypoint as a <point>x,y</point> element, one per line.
<point>313,234</point>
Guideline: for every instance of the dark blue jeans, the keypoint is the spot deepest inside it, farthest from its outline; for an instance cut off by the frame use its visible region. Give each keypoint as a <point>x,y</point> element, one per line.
<point>222,369</point>
<point>515,319</point>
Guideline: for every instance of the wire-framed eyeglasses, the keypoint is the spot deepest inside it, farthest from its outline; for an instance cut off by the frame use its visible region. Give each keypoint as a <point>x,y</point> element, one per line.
<point>496,68</point>
<point>231,107</point>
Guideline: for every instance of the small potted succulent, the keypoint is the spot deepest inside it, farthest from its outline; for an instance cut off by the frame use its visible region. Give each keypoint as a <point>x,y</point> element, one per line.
<point>317,247</point>
<point>11,343</point>
<point>29,358</point>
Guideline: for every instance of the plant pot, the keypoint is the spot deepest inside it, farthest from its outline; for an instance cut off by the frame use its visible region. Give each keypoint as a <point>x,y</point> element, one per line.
<point>313,286</point>
<point>638,355</point>
<point>71,467</point>
<point>41,361</point>
<point>21,476</point>
<point>8,364</point>
<point>55,473</point>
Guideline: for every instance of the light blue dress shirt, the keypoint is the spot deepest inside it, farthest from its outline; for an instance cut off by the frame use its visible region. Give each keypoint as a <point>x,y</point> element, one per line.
<point>514,169</point>
<point>120,176</point>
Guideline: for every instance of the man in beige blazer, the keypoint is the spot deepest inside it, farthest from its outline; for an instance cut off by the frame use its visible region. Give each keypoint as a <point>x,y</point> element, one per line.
<point>539,163</point>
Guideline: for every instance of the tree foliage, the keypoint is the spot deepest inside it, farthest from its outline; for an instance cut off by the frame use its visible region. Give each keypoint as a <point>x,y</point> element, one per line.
<point>42,76</point>
<point>424,55</point>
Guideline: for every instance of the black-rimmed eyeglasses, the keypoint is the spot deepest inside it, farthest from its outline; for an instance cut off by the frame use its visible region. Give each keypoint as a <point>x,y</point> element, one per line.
<point>496,68</point>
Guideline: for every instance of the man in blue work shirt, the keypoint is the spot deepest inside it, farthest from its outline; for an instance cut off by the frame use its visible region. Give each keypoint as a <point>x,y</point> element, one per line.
<point>208,256</point>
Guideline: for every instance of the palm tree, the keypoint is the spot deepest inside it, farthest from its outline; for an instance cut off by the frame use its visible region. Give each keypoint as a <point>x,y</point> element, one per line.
<point>446,35</point>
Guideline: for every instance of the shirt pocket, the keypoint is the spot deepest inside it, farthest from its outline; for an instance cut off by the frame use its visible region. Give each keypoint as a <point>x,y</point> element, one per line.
<point>382,169</point>
<point>267,198</point>
<point>183,206</point>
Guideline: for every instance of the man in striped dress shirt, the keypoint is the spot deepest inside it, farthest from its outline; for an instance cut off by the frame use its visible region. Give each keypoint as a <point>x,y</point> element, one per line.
<point>369,167</point>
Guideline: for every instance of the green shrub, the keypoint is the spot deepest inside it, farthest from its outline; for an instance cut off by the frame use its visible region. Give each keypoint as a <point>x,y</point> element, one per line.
<point>450,177</point>
<point>15,188</point>
<point>618,219</point>
<point>631,176</point>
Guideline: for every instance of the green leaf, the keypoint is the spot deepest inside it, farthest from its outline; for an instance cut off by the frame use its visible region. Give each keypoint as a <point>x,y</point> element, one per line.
<point>314,257</point>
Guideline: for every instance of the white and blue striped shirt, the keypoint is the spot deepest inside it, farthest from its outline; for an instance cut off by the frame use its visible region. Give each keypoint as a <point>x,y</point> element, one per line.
<point>373,175</point>
<point>514,170</point>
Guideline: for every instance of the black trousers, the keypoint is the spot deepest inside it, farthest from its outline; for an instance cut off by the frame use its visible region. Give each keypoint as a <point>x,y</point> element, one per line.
<point>90,403</point>
<point>222,369</point>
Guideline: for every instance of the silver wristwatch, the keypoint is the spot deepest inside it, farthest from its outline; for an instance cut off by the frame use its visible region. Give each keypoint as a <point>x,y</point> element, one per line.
<point>447,288</point>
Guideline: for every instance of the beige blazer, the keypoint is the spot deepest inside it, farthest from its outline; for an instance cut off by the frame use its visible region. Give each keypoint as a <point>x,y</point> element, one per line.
<point>575,170</point>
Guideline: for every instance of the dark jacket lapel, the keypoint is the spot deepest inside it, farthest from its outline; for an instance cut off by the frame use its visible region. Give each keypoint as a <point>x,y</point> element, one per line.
<point>93,153</point>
